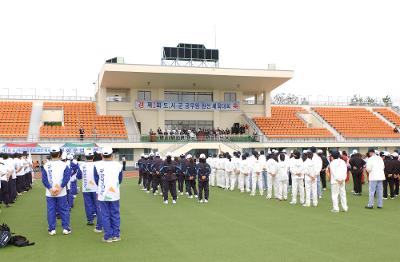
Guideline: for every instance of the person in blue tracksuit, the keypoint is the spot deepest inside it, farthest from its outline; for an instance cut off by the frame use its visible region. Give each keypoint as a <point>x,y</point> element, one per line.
<point>108,177</point>
<point>190,176</point>
<point>55,176</point>
<point>74,166</point>
<point>89,190</point>
<point>181,175</point>
<point>148,175</point>
<point>140,166</point>
<point>169,172</point>
<point>203,174</point>
<point>155,169</point>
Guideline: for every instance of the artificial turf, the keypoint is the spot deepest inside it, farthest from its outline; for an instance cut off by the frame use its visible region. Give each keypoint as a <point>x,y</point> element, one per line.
<point>233,226</point>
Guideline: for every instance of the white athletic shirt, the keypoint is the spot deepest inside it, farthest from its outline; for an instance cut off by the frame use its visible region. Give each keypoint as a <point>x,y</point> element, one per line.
<point>297,167</point>
<point>282,170</point>
<point>108,184</point>
<point>55,174</point>
<point>88,184</point>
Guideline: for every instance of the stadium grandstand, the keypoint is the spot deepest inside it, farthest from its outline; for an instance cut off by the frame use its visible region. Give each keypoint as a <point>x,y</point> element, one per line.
<point>199,109</point>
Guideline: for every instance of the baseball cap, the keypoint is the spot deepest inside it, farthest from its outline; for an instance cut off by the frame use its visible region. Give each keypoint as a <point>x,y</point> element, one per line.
<point>188,156</point>
<point>55,149</point>
<point>157,154</point>
<point>89,152</point>
<point>64,155</point>
<point>202,156</point>
<point>107,151</point>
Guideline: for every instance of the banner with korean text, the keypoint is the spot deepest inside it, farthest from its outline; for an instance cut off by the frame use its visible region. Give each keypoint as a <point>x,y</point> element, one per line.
<point>185,106</point>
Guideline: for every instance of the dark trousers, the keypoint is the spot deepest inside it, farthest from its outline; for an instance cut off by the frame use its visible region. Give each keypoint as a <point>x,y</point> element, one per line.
<point>323,178</point>
<point>191,185</point>
<point>28,181</point>
<point>357,186</point>
<point>390,181</point>
<point>20,184</point>
<point>4,194</point>
<point>290,179</point>
<point>147,181</point>
<point>140,177</point>
<point>124,166</point>
<point>181,179</point>
<point>396,186</point>
<point>156,181</point>
<point>203,187</point>
<point>12,190</point>
<point>171,187</point>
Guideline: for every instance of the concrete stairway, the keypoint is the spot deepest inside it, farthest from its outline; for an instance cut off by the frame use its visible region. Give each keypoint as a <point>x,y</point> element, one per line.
<point>35,122</point>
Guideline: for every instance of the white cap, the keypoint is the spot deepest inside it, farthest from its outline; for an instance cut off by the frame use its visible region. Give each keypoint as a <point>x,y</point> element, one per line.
<point>70,156</point>
<point>106,151</point>
<point>386,153</point>
<point>305,151</point>
<point>89,152</point>
<point>203,156</point>
<point>355,151</point>
<point>64,155</point>
<point>168,154</point>
<point>151,154</point>
<point>142,155</point>
<point>284,151</point>
<point>55,149</point>
<point>395,154</point>
<point>188,156</point>
<point>376,152</point>
<point>157,154</point>
<point>275,151</point>
<point>319,151</point>
<point>145,156</point>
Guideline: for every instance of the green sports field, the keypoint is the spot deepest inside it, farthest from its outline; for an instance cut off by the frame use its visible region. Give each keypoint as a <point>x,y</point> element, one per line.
<point>231,227</point>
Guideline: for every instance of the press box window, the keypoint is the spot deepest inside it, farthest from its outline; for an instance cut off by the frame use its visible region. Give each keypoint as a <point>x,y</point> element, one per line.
<point>144,95</point>
<point>229,97</point>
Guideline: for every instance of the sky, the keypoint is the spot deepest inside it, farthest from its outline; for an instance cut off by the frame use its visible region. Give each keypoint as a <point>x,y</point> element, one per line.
<point>335,47</point>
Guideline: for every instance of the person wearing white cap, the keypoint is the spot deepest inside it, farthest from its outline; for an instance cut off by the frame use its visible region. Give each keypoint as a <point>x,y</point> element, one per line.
<point>338,173</point>
<point>203,173</point>
<point>296,167</point>
<point>5,175</point>
<point>389,171</point>
<point>169,172</point>
<point>220,170</point>
<point>236,170</point>
<point>357,165</point>
<point>229,168</point>
<point>89,189</point>
<point>141,167</point>
<point>108,178</point>
<point>317,161</point>
<point>190,176</point>
<point>375,168</point>
<point>310,178</point>
<point>74,166</point>
<point>55,176</point>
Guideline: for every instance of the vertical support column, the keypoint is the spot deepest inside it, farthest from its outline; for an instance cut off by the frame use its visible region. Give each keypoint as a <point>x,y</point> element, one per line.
<point>267,104</point>
<point>101,101</point>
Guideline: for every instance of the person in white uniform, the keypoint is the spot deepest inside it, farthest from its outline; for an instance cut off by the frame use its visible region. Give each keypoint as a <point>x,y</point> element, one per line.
<point>220,171</point>
<point>310,179</point>
<point>236,170</point>
<point>282,177</point>
<point>244,176</point>
<point>229,168</point>
<point>211,161</point>
<point>338,173</point>
<point>297,170</point>
<point>256,171</point>
<point>272,169</point>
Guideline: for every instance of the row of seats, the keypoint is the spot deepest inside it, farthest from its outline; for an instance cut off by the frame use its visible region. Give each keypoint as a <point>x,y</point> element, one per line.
<point>284,123</point>
<point>14,118</point>
<point>389,115</point>
<point>356,122</point>
<point>83,114</point>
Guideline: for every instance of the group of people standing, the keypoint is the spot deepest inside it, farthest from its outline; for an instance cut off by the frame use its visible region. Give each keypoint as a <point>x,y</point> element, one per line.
<point>16,173</point>
<point>100,187</point>
<point>161,176</point>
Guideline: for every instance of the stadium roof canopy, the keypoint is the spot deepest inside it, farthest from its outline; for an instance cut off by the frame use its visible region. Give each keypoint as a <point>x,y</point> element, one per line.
<point>182,77</point>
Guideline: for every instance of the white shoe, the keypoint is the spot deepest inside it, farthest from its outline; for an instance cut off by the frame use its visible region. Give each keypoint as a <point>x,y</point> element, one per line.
<point>116,239</point>
<point>147,191</point>
<point>268,197</point>
<point>182,193</point>
<point>52,233</point>
<point>292,203</point>
<point>305,205</point>
<point>320,197</point>
<point>345,210</point>
<point>66,232</point>
<point>166,202</point>
<point>190,197</point>
<point>201,201</point>
<point>334,211</point>
<point>196,196</point>
<point>97,231</point>
<point>154,194</point>
<point>205,201</point>
<point>173,201</point>
<point>160,193</point>
<point>107,241</point>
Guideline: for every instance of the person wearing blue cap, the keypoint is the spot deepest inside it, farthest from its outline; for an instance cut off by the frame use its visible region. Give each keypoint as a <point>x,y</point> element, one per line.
<point>89,189</point>
<point>55,176</point>
<point>108,177</point>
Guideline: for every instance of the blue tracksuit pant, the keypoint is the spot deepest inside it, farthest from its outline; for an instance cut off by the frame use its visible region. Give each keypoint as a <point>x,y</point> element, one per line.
<point>91,208</point>
<point>61,205</point>
<point>74,187</point>
<point>110,217</point>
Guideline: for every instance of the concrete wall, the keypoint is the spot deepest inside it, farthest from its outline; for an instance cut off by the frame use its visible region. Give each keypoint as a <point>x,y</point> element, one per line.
<point>52,115</point>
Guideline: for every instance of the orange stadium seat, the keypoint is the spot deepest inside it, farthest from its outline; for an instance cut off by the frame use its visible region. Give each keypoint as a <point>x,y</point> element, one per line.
<point>356,122</point>
<point>284,123</point>
<point>83,114</point>
<point>14,118</point>
<point>389,115</point>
